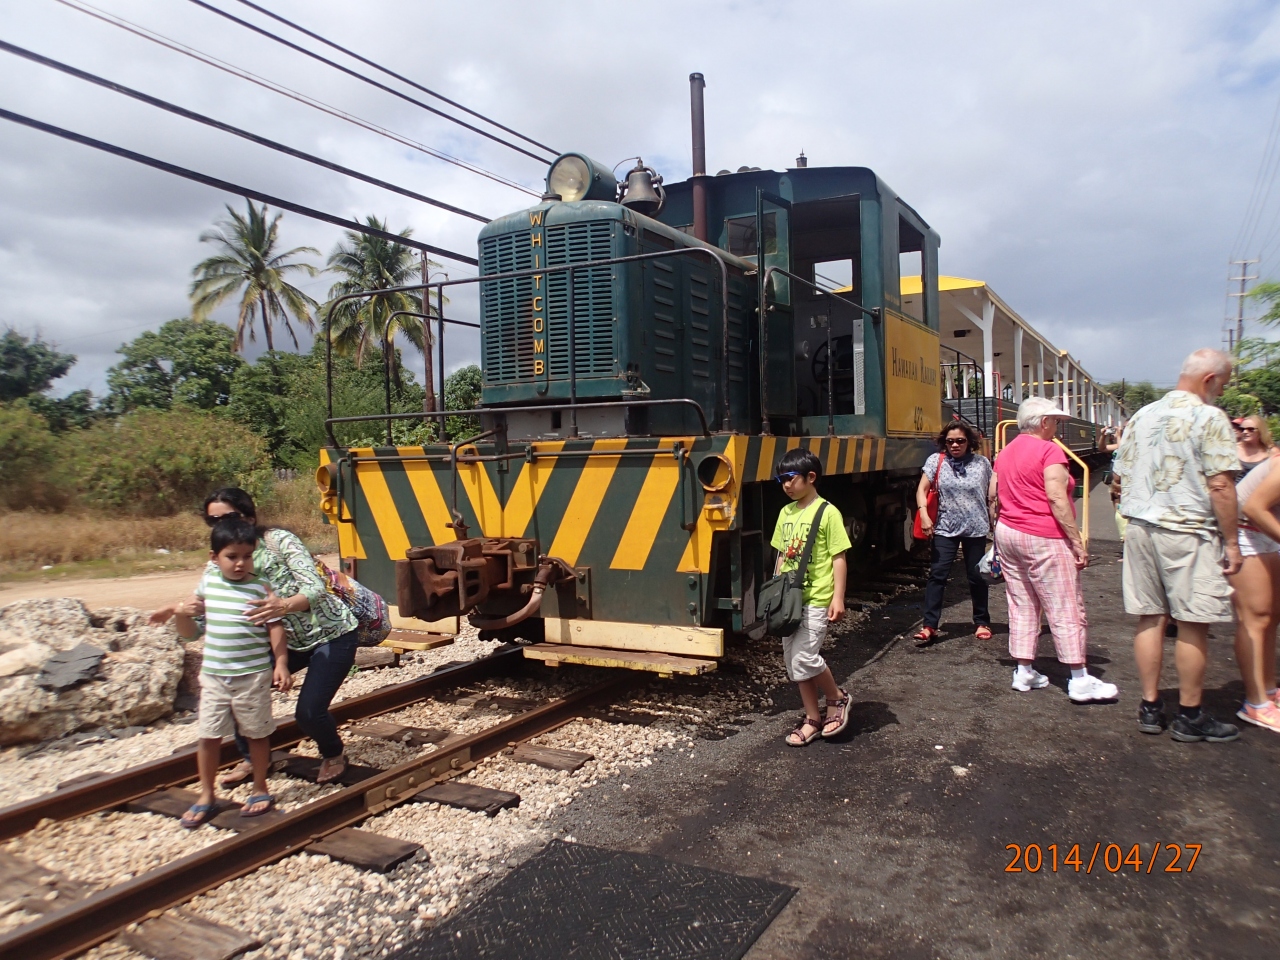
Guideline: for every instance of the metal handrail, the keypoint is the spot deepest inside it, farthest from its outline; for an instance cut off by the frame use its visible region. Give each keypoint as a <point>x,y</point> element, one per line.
<point>491,411</point>
<point>766,427</point>
<point>716,255</point>
<point>1002,430</point>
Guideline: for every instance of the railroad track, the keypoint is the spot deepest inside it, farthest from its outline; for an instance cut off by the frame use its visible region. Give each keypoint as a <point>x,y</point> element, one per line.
<point>99,916</point>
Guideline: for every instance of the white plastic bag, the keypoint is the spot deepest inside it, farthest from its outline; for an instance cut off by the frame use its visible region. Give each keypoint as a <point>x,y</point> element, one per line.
<point>989,566</point>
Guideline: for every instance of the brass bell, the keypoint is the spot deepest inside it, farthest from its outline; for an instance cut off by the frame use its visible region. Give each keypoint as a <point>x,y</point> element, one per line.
<point>643,191</point>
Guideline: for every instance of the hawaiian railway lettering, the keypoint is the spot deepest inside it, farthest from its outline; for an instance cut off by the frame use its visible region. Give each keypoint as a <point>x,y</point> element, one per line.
<point>917,369</point>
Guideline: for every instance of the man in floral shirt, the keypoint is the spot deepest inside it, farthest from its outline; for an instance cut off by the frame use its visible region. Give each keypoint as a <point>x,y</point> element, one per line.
<point>1176,467</point>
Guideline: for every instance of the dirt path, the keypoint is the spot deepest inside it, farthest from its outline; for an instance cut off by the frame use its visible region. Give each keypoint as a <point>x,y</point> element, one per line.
<point>145,591</point>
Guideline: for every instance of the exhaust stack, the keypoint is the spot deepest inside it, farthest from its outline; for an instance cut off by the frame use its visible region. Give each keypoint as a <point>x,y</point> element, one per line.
<point>696,85</point>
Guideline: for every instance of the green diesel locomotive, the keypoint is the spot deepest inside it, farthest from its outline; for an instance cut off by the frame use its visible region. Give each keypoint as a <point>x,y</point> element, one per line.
<point>648,353</point>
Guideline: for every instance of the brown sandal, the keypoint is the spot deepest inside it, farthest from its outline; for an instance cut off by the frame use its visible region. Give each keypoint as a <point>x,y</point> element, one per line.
<point>841,719</point>
<point>804,741</point>
<point>322,777</point>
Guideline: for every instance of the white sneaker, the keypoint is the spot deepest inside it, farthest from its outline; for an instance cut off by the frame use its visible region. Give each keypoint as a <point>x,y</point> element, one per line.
<point>1088,688</point>
<point>1033,681</point>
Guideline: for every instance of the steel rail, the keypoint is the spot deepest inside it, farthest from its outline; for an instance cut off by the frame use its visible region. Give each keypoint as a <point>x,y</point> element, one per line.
<point>85,923</point>
<point>115,789</point>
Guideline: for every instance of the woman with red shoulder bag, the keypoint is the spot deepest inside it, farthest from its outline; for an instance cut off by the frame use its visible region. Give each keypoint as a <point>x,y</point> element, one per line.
<point>961,478</point>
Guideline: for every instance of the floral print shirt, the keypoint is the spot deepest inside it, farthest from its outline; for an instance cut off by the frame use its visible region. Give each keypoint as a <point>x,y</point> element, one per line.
<point>1169,449</point>
<point>962,494</point>
<point>285,562</point>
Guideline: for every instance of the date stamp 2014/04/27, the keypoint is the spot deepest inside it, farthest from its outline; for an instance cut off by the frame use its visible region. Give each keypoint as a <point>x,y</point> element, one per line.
<point>1111,857</point>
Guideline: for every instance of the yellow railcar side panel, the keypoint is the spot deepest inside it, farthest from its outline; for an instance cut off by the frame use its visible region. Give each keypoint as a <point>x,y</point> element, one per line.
<point>588,494</point>
<point>381,504</point>
<point>881,446</point>
<point>913,401</point>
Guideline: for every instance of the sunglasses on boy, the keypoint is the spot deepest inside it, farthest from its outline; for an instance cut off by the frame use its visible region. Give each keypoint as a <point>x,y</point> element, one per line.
<point>784,477</point>
<point>214,521</point>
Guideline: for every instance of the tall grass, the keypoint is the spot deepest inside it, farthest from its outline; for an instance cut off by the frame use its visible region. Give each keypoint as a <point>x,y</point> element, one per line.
<point>30,539</point>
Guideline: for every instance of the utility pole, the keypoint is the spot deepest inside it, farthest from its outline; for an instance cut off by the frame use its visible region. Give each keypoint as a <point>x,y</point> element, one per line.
<point>1234,336</point>
<point>428,383</point>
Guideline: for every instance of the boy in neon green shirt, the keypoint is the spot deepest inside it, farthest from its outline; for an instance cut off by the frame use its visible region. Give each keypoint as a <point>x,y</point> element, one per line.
<point>824,584</point>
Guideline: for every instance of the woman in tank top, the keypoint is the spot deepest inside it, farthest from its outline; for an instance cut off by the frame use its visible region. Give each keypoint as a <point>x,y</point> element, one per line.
<point>1253,442</point>
<point>1256,593</point>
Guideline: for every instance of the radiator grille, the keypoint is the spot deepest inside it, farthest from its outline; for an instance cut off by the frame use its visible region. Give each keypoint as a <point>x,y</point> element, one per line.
<point>506,304</point>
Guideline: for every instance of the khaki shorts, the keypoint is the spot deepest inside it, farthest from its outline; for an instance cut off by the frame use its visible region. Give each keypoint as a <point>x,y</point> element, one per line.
<point>231,703</point>
<point>1174,573</point>
<point>801,649</point>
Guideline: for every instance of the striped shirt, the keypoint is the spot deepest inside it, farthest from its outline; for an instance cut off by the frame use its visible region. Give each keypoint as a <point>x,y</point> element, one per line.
<point>232,645</point>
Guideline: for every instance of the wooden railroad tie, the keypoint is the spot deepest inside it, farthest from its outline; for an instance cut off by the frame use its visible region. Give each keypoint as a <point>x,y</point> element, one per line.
<point>397,733</point>
<point>551,757</point>
<point>187,936</point>
<point>468,796</point>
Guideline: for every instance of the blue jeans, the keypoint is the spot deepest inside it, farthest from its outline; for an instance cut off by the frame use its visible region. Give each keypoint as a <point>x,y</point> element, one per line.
<point>327,666</point>
<point>944,550</point>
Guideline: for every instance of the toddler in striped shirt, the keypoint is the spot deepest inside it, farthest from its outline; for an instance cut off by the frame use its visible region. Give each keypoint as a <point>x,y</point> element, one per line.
<point>242,661</point>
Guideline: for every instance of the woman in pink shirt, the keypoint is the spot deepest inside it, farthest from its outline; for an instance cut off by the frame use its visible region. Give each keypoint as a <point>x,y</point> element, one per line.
<point>1042,552</point>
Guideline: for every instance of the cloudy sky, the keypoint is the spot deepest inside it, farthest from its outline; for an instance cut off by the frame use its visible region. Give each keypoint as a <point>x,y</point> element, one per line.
<point>1093,162</point>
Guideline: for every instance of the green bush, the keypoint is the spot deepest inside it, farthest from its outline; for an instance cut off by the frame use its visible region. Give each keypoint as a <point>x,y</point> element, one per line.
<point>34,472</point>
<point>156,463</point>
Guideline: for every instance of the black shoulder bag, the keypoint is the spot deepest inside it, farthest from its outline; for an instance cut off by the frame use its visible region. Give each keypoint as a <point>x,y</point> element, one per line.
<point>781,600</point>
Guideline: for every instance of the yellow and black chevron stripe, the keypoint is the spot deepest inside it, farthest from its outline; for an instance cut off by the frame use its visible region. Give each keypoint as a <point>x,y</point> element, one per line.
<point>630,508</point>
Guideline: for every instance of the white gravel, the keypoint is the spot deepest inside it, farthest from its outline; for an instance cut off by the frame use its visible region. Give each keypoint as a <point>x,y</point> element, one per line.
<point>308,906</point>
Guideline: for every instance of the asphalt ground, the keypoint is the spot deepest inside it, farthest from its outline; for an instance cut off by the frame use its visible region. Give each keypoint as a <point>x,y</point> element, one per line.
<point>897,834</point>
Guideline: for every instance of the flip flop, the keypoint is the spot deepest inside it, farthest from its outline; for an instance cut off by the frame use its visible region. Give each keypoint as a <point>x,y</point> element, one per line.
<point>237,775</point>
<point>799,731</point>
<point>199,815</point>
<point>841,719</point>
<point>257,798</point>
<point>983,632</point>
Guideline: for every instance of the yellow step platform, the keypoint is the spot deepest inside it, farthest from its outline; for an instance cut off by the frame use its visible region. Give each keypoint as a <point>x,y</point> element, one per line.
<point>664,665</point>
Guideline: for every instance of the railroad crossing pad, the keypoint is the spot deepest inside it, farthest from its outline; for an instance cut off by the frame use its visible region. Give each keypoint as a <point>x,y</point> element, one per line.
<point>572,900</point>
<point>663,664</point>
<point>362,848</point>
<point>467,796</point>
<point>308,768</point>
<point>552,758</point>
<point>412,736</point>
<point>187,936</point>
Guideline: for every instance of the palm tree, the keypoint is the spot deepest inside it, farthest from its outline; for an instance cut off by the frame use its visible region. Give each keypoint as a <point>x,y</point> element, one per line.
<point>249,260</point>
<point>373,263</point>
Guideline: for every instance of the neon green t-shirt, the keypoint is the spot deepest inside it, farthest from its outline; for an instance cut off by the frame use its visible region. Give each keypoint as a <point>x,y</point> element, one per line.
<point>789,537</point>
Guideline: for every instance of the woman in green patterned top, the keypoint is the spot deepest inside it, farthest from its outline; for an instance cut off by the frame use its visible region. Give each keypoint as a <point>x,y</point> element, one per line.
<point>319,627</point>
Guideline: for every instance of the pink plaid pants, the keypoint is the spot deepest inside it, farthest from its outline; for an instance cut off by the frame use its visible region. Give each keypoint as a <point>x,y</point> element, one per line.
<point>1040,576</point>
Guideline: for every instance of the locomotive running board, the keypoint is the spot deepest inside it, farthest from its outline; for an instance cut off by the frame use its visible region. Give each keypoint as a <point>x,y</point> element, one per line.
<point>664,665</point>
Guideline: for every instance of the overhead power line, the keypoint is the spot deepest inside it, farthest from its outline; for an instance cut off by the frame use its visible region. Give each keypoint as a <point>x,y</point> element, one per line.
<point>369,80</point>
<point>228,128</point>
<point>391,73</point>
<point>241,73</point>
<point>233,188</point>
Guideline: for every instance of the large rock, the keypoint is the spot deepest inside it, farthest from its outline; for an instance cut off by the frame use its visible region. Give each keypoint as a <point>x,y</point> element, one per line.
<point>137,681</point>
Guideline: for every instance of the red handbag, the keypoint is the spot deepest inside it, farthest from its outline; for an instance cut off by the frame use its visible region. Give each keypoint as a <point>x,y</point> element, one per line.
<point>930,503</point>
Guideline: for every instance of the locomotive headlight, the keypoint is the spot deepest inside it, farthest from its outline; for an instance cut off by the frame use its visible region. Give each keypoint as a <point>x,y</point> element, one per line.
<point>575,177</point>
<point>570,176</point>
